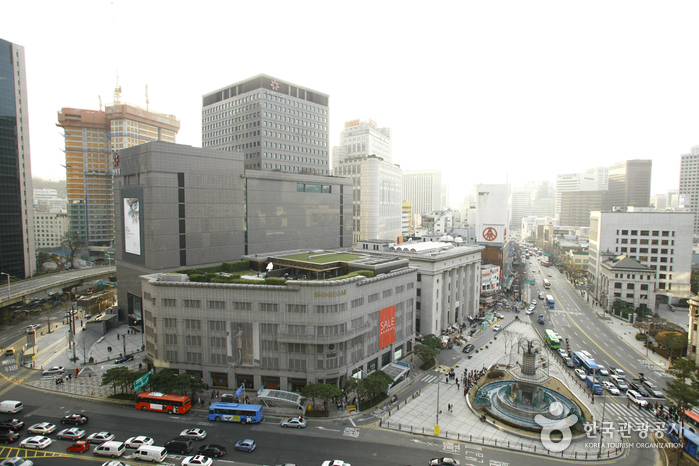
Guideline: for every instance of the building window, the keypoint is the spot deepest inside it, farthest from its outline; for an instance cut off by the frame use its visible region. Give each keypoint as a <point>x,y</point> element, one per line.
<point>241,306</point>
<point>269,307</point>
<point>373,297</point>
<point>192,303</point>
<point>217,304</point>
<point>192,324</point>
<point>296,308</point>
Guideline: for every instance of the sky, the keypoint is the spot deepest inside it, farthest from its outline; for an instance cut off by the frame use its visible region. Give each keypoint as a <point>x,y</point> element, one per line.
<point>486,92</point>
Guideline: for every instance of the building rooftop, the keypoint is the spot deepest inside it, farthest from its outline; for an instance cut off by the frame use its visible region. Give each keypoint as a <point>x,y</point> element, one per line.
<point>626,263</point>
<point>323,257</point>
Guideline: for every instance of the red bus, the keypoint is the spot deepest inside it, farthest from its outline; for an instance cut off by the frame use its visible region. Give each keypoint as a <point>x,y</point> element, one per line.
<point>156,401</point>
<point>691,417</point>
<point>547,284</point>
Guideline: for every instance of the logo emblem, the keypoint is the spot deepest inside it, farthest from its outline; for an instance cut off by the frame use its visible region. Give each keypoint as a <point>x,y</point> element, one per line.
<point>561,425</point>
<point>275,85</point>
<point>490,233</point>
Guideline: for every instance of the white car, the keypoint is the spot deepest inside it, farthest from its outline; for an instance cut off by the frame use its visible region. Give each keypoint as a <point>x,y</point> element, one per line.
<point>137,442</point>
<point>42,428</point>
<point>71,434</point>
<point>530,312</point>
<point>581,373</point>
<point>563,353</point>
<point>560,338</point>
<point>335,463</point>
<point>603,370</point>
<point>115,463</point>
<point>37,442</point>
<point>497,328</point>
<point>610,387</point>
<point>100,437</point>
<point>198,460</point>
<point>193,434</point>
<point>54,370</point>
<point>16,461</point>
<point>534,302</point>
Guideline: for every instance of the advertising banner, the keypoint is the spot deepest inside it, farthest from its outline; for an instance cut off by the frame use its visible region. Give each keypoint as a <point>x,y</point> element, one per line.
<point>387,329</point>
<point>132,227</point>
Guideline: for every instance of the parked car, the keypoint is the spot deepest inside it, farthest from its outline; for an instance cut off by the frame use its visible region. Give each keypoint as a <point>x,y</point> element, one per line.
<point>293,422</point>
<point>468,348</point>
<point>444,462</point>
<point>530,311</point>
<point>81,446</point>
<point>54,370</point>
<point>212,450</point>
<point>75,419</point>
<point>245,445</point>
<point>497,328</point>
<point>123,359</point>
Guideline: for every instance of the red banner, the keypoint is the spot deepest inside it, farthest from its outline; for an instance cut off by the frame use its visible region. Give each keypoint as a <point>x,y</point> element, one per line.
<point>387,329</point>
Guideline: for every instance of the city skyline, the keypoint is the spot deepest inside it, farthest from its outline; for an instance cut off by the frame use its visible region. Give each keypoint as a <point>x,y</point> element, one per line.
<point>528,93</point>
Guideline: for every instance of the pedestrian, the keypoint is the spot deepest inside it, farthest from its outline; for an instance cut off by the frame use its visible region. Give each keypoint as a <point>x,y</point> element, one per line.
<point>117,336</point>
<point>627,403</point>
<point>457,385</point>
<point>446,380</point>
<point>199,399</point>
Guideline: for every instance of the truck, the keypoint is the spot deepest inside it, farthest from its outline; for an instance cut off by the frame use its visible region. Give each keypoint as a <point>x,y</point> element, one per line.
<point>594,383</point>
<point>541,318</point>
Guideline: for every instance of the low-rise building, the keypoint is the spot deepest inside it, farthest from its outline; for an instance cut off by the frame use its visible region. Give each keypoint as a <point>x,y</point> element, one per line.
<point>627,279</point>
<point>49,228</point>
<point>490,279</point>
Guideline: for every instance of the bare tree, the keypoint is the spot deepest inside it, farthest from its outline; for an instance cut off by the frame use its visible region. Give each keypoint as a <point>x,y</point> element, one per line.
<point>510,338</point>
<point>72,241</point>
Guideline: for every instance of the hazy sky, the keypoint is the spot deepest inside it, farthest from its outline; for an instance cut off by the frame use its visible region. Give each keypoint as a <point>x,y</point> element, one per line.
<point>482,91</point>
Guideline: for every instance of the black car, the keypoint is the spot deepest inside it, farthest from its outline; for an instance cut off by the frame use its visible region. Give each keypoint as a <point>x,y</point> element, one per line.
<point>212,451</point>
<point>75,419</point>
<point>11,424</point>
<point>468,348</point>
<point>178,446</point>
<point>123,359</point>
<point>9,436</point>
<point>640,389</point>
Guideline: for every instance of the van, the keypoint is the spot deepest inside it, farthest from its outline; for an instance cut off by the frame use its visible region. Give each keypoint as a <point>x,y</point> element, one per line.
<point>619,382</point>
<point>10,406</point>
<point>179,446</point>
<point>636,398</point>
<point>150,453</point>
<point>112,449</point>
<point>10,351</point>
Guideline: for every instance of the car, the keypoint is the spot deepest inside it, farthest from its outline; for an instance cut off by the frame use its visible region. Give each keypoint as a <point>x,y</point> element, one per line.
<point>636,397</point>
<point>38,442</point>
<point>444,462</point>
<point>75,419</point>
<point>245,445</point>
<point>560,338</point>
<point>569,362</point>
<point>54,370</point>
<point>541,295</point>
<point>10,351</point>
<point>530,311</point>
<point>534,302</point>
<point>193,434</point>
<point>618,372</point>
<point>212,451</point>
<point>136,442</point>
<point>198,460</point>
<point>81,446</point>
<point>550,275</point>
<point>123,359</point>
<point>639,388</point>
<point>652,389</point>
<point>603,370</point>
<point>9,436</point>
<point>563,353</point>
<point>581,373</point>
<point>497,328</point>
<point>12,424</point>
<point>468,348</point>
<point>499,316</point>
<point>71,434</point>
<point>335,463</point>
<point>610,387</point>
<point>100,437</point>
<point>115,463</point>
<point>620,382</point>
<point>293,422</point>
<point>178,445</point>
<point>16,461</point>
<point>42,428</point>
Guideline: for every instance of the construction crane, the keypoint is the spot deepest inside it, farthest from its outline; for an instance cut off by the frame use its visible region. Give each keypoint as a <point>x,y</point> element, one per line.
<point>100,102</point>
<point>146,96</point>
<point>117,90</point>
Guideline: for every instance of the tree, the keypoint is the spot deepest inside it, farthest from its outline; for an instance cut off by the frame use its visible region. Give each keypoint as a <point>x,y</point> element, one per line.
<point>683,393</point>
<point>695,283</point>
<point>114,376</point>
<point>189,383</point>
<point>432,341</point>
<point>673,341</point>
<point>163,381</point>
<point>376,383</point>
<point>426,355</point>
<point>72,241</point>
<point>41,258</point>
<point>323,391</point>
<point>510,338</point>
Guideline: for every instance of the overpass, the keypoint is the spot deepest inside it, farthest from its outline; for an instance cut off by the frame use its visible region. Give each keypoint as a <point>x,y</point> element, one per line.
<point>18,292</point>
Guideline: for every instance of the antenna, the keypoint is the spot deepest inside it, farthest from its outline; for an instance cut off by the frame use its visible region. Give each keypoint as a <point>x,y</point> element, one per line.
<point>146,96</point>
<point>117,90</point>
<point>100,102</point>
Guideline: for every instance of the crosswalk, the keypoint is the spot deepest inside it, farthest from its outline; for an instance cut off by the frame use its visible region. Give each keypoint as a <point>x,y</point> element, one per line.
<point>429,378</point>
<point>619,414</point>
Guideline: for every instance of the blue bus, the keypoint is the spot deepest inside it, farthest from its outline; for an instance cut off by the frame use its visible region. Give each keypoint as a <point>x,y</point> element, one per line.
<point>585,361</point>
<point>236,412</point>
<point>549,301</point>
<point>691,439</point>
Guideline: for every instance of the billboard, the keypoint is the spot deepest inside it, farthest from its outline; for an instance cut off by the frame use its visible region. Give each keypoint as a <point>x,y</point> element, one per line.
<point>491,233</point>
<point>387,326</point>
<point>132,226</point>
<point>240,343</point>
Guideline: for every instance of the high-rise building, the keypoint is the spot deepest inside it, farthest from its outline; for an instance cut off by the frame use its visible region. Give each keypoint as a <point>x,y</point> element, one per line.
<point>423,189</point>
<point>16,205</point>
<point>491,211</point>
<point>376,192</point>
<point>577,205</point>
<point>364,138</point>
<point>92,139</point>
<point>520,203</point>
<point>689,185</point>
<point>629,183</point>
<point>445,197</point>
<point>49,228</point>
<point>602,176</point>
<point>276,125</point>
<point>573,182</point>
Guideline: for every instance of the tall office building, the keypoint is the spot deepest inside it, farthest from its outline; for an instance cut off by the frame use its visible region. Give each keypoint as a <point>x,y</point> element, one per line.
<point>376,190</point>
<point>573,182</point>
<point>276,125</point>
<point>689,185</point>
<point>602,176</point>
<point>445,197</point>
<point>364,138</point>
<point>423,189</point>
<point>92,139</point>
<point>629,183</point>
<point>16,205</point>
<point>520,203</point>
<point>577,205</point>
<point>491,212</point>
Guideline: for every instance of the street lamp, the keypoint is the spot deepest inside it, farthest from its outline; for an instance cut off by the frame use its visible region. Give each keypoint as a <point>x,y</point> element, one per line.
<point>8,282</point>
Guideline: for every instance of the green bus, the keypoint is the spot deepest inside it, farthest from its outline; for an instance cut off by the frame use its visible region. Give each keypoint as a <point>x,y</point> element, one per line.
<point>552,339</point>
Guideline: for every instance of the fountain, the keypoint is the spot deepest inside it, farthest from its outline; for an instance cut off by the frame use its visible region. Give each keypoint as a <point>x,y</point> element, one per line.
<point>522,396</point>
